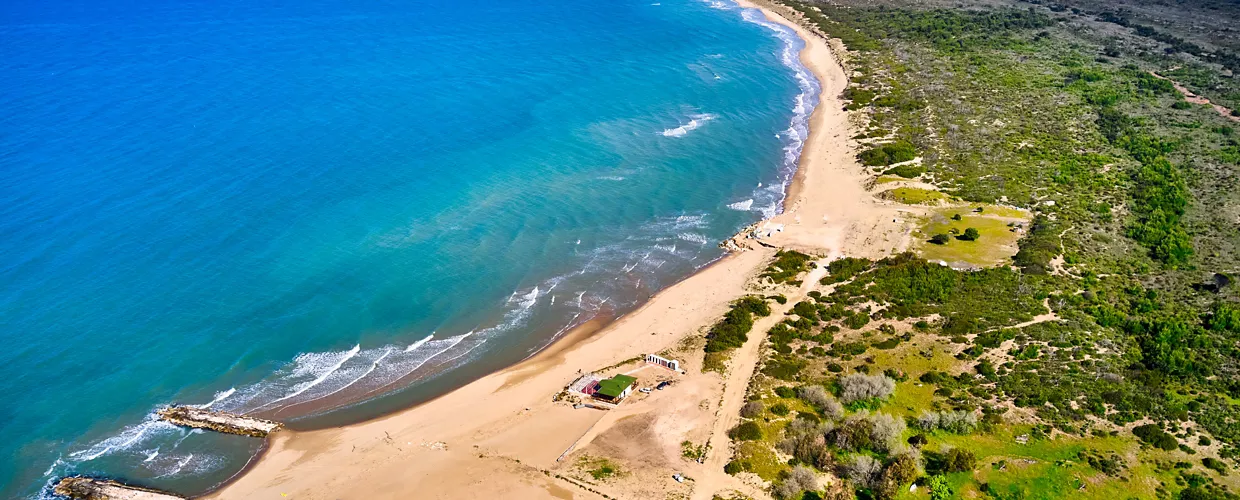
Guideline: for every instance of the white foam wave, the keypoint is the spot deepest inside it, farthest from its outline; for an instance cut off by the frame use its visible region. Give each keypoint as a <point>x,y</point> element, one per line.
<point>369,370</point>
<point>716,4</point>
<point>186,436</point>
<point>528,300</point>
<point>150,455</point>
<point>616,178</point>
<point>693,238</point>
<point>220,396</point>
<point>127,438</point>
<point>419,343</point>
<point>695,122</point>
<point>742,206</point>
<point>54,466</point>
<point>311,364</point>
<point>770,198</point>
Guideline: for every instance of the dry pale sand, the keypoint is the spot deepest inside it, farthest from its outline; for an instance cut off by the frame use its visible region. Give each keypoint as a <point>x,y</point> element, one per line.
<point>500,436</point>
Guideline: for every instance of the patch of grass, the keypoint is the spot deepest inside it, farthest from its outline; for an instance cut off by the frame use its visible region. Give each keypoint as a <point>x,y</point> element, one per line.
<point>995,246</point>
<point>601,469</point>
<point>1046,468</point>
<point>914,196</point>
<point>716,362</point>
<point>759,458</point>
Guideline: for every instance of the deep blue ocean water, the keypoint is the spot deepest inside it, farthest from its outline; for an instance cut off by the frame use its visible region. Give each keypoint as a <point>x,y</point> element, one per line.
<point>292,208</point>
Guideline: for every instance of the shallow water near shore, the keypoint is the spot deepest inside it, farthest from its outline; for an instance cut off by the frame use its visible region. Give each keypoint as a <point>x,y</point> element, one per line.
<point>323,211</point>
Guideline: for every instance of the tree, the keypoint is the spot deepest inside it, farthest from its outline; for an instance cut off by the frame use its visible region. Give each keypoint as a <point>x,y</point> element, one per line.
<point>858,386</point>
<point>863,471</point>
<point>970,234</point>
<point>817,397</point>
<point>800,479</point>
<point>885,431</point>
<point>940,239</point>
<point>901,471</point>
<point>959,460</point>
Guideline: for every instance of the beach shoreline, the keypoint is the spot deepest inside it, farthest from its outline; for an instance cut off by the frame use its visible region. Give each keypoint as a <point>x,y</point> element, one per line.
<point>500,434</point>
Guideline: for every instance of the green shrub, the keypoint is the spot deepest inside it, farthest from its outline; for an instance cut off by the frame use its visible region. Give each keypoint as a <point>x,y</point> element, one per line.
<point>747,431</point>
<point>906,171</point>
<point>1039,247</point>
<point>787,265</point>
<point>785,392</point>
<point>1153,435</point>
<point>959,460</point>
<point>887,154</point>
<point>970,234</point>
<point>783,368</point>
<point>940,239</point>
<point>1215,465</point>
<point>845,268</point>
<point>939,488</point>
<point>780,409</point>
<point>733,330</point>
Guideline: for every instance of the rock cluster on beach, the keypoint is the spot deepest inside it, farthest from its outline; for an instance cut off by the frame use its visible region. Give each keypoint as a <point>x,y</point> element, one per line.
<point>219,421</point>
<point>102,489</point>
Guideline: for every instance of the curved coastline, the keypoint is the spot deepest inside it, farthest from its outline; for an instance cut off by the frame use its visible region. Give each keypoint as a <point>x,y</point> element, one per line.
<point>496,412</point>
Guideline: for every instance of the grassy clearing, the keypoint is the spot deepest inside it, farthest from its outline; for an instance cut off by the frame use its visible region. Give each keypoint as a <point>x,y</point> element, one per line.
<point>914,196</point>
<point>1048,468</point>
<point>996,246</point>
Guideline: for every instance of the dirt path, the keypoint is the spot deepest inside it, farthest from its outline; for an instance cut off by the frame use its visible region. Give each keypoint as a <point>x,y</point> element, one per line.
<point>710,477</point>
<point>1196,99</point>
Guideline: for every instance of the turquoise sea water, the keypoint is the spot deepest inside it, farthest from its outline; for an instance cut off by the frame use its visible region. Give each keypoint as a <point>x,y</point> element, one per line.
<point>318,211</point>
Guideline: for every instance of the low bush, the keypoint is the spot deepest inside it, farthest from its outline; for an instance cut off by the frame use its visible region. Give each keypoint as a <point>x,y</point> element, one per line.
<point>1153,435</point>
<point>747,431</point>
<point>887,154</point>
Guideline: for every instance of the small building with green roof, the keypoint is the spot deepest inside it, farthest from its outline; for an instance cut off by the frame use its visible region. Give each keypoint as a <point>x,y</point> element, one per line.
<point>616,388</point>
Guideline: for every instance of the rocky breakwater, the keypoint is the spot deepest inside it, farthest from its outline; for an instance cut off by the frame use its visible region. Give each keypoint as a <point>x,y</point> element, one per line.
<point>219,421</point>
<point>102,489</point>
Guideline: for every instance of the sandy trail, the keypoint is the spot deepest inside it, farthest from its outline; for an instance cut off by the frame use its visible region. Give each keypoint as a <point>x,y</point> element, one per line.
<point>496,436</point>
<point>712,479</point>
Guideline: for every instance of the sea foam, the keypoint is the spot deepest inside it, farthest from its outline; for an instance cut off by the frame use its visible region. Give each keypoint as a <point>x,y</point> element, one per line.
<point>695,122</point>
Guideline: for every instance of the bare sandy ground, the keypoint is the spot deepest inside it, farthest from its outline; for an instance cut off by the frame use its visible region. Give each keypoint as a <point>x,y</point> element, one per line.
<point>502,436</point>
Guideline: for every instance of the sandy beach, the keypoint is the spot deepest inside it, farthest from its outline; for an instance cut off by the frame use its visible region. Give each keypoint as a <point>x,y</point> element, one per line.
<point>503,436</point>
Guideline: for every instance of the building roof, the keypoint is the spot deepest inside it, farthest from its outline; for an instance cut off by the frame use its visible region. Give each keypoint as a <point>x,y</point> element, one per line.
<point>612,387</point>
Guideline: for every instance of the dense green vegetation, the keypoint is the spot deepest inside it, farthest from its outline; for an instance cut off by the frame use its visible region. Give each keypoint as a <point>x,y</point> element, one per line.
<point>787,266</point>
<point>888,154</point>
<point>1104,362</point>
<point>733,330</point>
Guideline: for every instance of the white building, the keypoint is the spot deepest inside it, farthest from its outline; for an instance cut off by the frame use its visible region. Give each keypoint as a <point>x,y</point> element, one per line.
<point>670,364</point>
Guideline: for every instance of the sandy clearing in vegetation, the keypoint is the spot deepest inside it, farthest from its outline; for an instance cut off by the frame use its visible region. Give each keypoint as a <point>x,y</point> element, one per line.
<point>500,436</point>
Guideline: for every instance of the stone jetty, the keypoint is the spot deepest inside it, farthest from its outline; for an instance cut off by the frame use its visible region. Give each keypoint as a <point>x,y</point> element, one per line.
<point>102,489</point>
<point>219,421</point>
